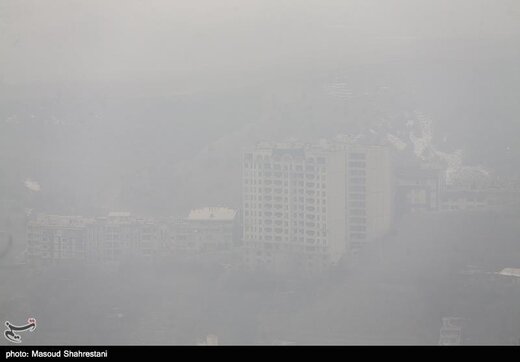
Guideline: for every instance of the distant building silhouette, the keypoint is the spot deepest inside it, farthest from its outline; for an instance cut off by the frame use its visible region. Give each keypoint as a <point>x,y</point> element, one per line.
<point>120,235</point>
<point>55,238</point>
<point>312,204</point>
<point>206,229</point>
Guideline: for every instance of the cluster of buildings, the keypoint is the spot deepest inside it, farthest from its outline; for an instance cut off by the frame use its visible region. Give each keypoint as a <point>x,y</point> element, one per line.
<point>120,235</point>
<point>424,188</point>
<point>304,205</point>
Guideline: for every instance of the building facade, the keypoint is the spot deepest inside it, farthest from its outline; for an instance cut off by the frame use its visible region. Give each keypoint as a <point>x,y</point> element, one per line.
<point>121,236</point>
<point>420,189</point>
<point>315,202</point>
<point>110,239</point>
<point>207,229</point>
<point>53,238</point>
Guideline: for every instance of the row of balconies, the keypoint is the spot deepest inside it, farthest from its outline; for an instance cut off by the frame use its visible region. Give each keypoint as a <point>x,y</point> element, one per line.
<point>250,209</point>
<point>279,180</point>
<point>358,235</point>
<point>293,199</point>
<point>357,212</point>
<point>357,205</point>
<point>357,196</point>
<point>293,217</point>
<point>357,189</point>
<point>287,166</point>
<point>357,180</point>
<point>298,216</point>
<point>316,182</point>
<point>278,223</point>
<point>268,204</point>
<point>287,239</point>
<point>315,232</point>
<point>358,172</point>
<point>357,220</point>
<point>358,228</point>
<point>357,164</point>
<point>357,156</point>
<point>278,204</point>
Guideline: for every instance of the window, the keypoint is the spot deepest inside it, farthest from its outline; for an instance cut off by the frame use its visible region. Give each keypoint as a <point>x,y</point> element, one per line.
<point>357,204</point>
<point>357,156</point>
<point>357,188</point>
<point>358,228</point>
<point>357,212</point>
<point>357,236</point>
<point>357,172</point>
<point>357,181</point>
<point>356,164</point>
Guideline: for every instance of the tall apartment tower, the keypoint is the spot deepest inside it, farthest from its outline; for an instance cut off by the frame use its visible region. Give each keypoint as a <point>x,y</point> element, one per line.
<point>313,203</point>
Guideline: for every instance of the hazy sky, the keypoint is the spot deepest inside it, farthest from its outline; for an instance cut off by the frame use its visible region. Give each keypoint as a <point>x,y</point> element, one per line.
<point>147,106</point>
<point>57,40</point>
<point>146,84</point>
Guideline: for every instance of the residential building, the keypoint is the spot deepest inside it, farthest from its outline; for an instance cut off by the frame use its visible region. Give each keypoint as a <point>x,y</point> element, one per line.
<point>316,202</point>
<point>121,235</point>
<point>204,230</point>
<point>420,189</point>
<point>53,238</point>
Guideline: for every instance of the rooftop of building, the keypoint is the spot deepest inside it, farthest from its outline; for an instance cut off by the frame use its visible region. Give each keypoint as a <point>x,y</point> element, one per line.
<point>62,221</point>
<point>298,148</point>
<point>510,272</point>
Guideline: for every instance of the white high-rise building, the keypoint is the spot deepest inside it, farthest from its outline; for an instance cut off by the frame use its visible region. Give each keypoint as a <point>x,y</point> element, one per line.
<point>313,203</point>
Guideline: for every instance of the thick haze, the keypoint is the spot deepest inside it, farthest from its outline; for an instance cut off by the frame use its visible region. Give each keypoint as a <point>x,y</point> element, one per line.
<point>89,41</point>
<point>147,107</point>
<point>100,97</point>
